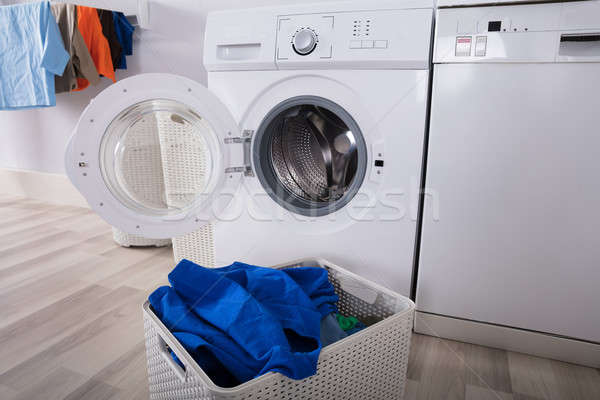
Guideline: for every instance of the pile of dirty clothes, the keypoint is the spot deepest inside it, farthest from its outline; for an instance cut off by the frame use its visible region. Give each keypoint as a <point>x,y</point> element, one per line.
<point>242,321</point>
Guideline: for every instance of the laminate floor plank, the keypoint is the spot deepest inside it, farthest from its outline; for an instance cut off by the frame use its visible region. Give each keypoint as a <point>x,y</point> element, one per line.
<point>444,373</point>
<point>411,389</point>
<point>10,197</point>
<point>38,218</point>
<point>574,382</point>
<point>95,390</point>
<point>8,393</point>
<point>104,243</point>
<point>478,393</point>
<point>23,300</point>
<point>71,324</point>
<point>420,346</point>
<point>520,396</point>
<point>113,272</point>
<point>128,373</point>
<point>39,268</point>
<point>552,380</point>
<point>39,331</point>
<point>489,368</point>
<point>8,214</point>
<point>24,203</point>
<point>57,385</point>
<point>41,247</point>
<point>87,350</point>
<point>26,235</point>
<point>19,340</point>
<point>143,275</point>
<point>83,223</point>
<point>124,325</point>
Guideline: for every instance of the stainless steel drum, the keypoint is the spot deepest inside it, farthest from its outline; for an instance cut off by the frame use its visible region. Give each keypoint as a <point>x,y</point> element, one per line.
<point>310,157</point>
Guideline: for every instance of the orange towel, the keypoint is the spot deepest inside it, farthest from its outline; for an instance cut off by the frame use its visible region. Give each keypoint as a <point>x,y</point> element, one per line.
<point>91,30</point>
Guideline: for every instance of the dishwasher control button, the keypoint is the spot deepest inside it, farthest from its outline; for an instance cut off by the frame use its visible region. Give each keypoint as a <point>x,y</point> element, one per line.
<point>480,46</point>
<point>463,46</point>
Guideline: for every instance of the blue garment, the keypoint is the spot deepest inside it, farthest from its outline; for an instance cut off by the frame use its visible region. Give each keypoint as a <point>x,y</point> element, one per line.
<point>357,328</point>
<point>331,331</point>
<point>31,54</point>
<point>241,321</point>
<point>124,32</point>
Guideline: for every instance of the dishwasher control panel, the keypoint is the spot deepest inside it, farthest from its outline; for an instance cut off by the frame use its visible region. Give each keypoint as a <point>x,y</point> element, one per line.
<point>553,32</point>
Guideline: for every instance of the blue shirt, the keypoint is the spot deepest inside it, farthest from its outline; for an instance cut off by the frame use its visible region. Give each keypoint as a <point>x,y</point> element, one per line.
<point>31,54</point>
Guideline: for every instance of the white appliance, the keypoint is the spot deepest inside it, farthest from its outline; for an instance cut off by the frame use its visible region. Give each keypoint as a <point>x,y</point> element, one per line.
<point>307,142</point>
<point>511,219</point>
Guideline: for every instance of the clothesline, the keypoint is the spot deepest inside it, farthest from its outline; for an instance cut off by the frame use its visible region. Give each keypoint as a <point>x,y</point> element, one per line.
<point>79,44</point>
<point>136,11</point>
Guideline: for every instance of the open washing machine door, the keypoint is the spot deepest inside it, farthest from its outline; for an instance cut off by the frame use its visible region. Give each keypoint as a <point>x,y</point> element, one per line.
<point>157,155</point>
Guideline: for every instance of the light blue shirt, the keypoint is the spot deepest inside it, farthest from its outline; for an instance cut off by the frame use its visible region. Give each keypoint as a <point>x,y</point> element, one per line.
<point>31,53</point>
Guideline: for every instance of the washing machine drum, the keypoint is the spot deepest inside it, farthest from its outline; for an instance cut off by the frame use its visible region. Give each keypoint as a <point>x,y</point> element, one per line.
<point>315,158</point>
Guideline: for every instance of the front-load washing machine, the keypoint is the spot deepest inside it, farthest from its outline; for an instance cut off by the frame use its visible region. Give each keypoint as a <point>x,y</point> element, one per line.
<point>307,142</point>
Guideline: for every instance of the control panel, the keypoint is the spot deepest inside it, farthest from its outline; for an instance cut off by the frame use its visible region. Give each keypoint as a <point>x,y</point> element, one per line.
<point>354,34</point>
<point>386,39</point>
<point>519,33</point>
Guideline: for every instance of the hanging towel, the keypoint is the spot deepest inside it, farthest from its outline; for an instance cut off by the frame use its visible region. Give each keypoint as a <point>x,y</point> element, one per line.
<point>241,321</point>
<point>91,29</point>
<point>125,34</point>
<point>110,33</point>
<point>31,54</point>
<point>81,64</point>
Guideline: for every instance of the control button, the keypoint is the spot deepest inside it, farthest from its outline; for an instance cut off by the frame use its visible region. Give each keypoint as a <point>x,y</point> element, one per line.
<point>355,44</point>
<point>480,46</point>
<point>367,44</point>
<point>463,46</point>
<point>381,44</point>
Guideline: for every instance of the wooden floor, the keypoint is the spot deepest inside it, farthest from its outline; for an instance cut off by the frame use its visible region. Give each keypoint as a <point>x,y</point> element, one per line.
<point>71,322</point>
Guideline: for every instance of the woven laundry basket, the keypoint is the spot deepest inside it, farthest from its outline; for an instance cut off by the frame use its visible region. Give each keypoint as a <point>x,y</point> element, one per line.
<point>369,365</point>
<point>128,240</point>
<point>197,246</point>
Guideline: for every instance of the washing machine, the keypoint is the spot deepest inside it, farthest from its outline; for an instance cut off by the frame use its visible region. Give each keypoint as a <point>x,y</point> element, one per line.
<point>509,249</point>
<point>308,140</point>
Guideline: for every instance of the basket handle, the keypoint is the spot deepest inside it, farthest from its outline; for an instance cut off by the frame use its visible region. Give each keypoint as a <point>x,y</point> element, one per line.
<point>165,353</point>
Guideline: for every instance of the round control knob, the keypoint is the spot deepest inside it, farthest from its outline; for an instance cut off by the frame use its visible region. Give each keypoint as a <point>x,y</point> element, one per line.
<point>304,41</point>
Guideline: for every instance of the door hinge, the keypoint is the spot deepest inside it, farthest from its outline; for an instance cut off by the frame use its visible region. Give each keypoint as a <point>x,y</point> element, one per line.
<point>246,141</point>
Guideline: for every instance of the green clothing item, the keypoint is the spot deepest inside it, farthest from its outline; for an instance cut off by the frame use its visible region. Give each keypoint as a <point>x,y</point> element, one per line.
<point>81,64</point>
<point>346,323</point>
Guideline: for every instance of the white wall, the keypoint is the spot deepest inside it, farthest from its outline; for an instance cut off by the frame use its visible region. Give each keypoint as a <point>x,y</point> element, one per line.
<point>35,139</point>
